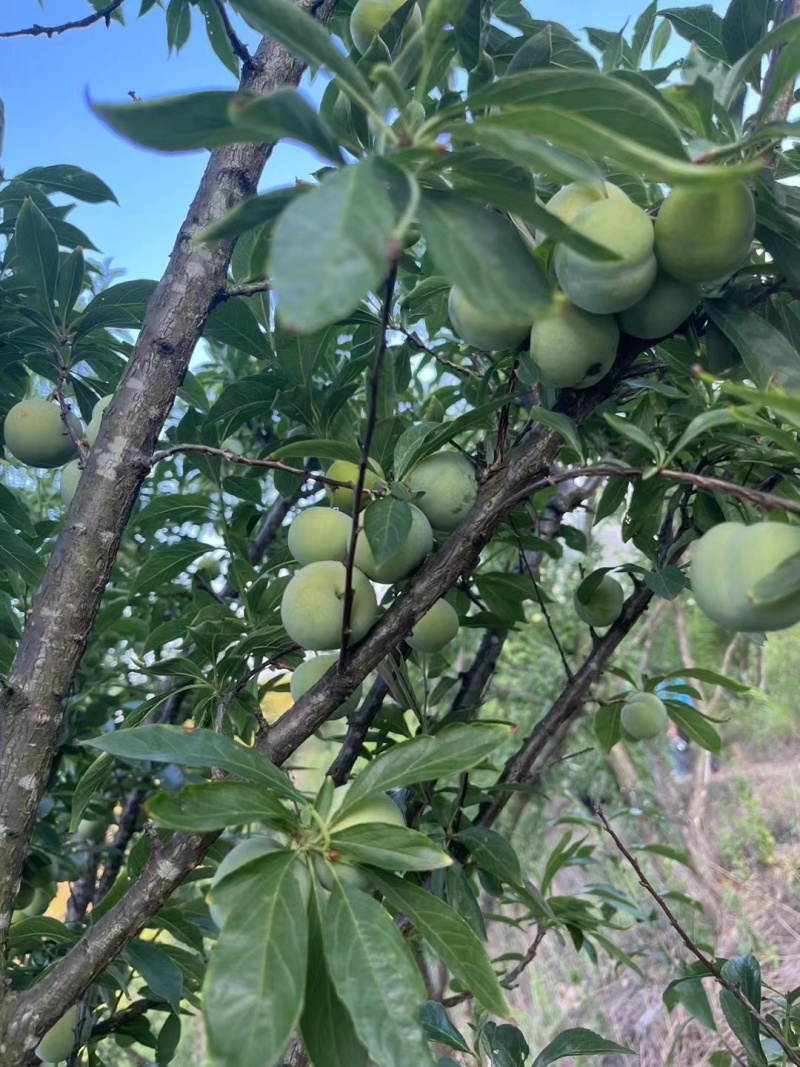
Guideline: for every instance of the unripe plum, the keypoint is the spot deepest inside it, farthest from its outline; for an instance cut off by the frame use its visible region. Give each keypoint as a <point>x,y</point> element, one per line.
<point>252,848</point>
<point>572,348</point>
<point>705,234</point>
<point>729,561</point>
<point>370,16</point>
<point>437,628</point>
<point>36,435</point>
<point>572,198</point>
<point>319,533</point>
<point>449,487</point>
<point>483,331</point>
<point>607,286</point>
<point>312,607</point>
<point>310,671</point>
<point>417,545</point>
<point>644,716</point>
<point>342,470</point>
<point>70,476</point>
<point>605,604</point>
<point>93,429</point>
<point>61,1039</point>
<point>661,310</point>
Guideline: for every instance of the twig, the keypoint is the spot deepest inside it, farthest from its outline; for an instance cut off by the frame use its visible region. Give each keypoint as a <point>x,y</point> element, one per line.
<point>357,731</point>
<point>238,46</point>
<point>372,418</point>
<point>419,344</point>
<point>122,1018</point>
<point>66,418</point>
<point>709,964</point>
<point>509,980</point>
<point>80,24</point>
<point>502,422</point>
<point>525,565</point>
<point>247,288</point>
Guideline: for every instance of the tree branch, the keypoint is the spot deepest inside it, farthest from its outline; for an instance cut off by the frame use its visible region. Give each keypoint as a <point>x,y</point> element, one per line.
<point>103,15</point>
<point>357,731</point>
<point>780,109</point>
<point>509,980</point>
<point>238,46</point>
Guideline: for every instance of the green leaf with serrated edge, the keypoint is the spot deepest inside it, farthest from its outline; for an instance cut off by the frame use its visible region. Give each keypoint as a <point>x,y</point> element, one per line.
<point>165,563</point>
<point>482,254</point>
<point>451,938</point>
<point>578,1042</point>
<point>325,1025</point>
<point>778,584</point>
<point>36,252</point>
<point>162,975</point>
<point>233,323</point>
<point>74,181</point>
<point>702,674</point>
<point>196,748</point>
<point>281,21</point>
<point>215,805</point>
<point>492,852</point>
<point>695,727</point>
<point>744,972</point>
<point>255,982</point>
<point>607,725</point>
<point>386,525</point>
<point>438,1027</point>
<point>642,32</point>
<point>17,557</point>
<point>376,978</point>
<point>451,751</point>
<point>769,356</point>
<point>218,36</point>
<point>317,448</point>
<point>253,212</point>
<point>392,848</point>
<point>285,114</point>
<point>120,307</point>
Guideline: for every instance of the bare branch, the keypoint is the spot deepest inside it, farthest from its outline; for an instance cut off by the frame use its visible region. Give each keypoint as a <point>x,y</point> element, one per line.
<point>783,104</point>
<point>104,15</point>
<point>357,731</point>
<point>509,980</point>
<point>238,46</point>
<point>246,289</point>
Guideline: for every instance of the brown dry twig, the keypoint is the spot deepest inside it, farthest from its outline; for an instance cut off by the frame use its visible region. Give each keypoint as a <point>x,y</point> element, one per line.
<point>104,15</point>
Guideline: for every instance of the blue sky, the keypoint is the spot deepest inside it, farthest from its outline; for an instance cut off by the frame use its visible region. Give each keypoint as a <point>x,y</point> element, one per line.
<point>44,84</point>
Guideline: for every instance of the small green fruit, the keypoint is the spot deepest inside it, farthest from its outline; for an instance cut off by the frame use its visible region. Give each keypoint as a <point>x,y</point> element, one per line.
<point>705,234</point>
<point>448,486</point>
<point>306,675</point>
<point>341,470</point>
<point>644,717</point>
<point>417,545</point>
<point>604,287</point>
<point>729,561</point>
<point>435,629</point>
<point>572,198</point>
<point>319,533</point>
<point>24,896</point>
<point>70,476</point>
<point>312,607</point>
<point>61,1040</point>
<point>605,604</point>
<point>661,310</point>
<point>483,331</point>
<point>36,435</point>
<point>370,16</point>
<point>93,429</point>
<point>573,349</point>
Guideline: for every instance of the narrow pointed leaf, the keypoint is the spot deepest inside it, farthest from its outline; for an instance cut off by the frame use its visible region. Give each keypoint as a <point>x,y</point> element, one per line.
<point>36,247</point>
<point>578,1042</point>
<point>393,848</point>
<point>215,805</point>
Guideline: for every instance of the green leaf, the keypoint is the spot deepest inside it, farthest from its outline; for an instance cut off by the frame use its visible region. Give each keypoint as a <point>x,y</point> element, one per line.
<point>348,221</point>
<point>326,1027</point>
<point>196,748</point>
<point>700,424</point>
<point>392,848</point>
<point>642,32</point>
<point>255,982</point>
<point>162,975</point>
<point>634,433</point>
<point>667,583</point>
<point>492,852</point>
<point>660,40</point>
<point>702,674</point>
<point>431,441</point>
<point>74,181</point>
<point>169,1037</point>
<point>578,1042</point>
<point>744,972</point>
<point>695,727</point>
<point>218,35</point>
<point>780,583</point>
<point>281,21</point>
<point>690,993</point>
<point>785,33</point>
<point>253,212</point>
<point>173,509</point>
<point>285,114</point>
<point>376,978</point>
<point>17,557</point>
<point>233,323</point>
<point>70,283</point>
<point>563,425</point>
<point>120,307</point>
<point>318,448</point>
<point>165,563</point>
<point>769,357</point>
<point>468,22</point>
<point>701,25</point>
<point>247,398</point>
<point>504,1044</point>
<point>743,26</point>
<point>451,751</point>
<point>179,24</point>
<point>36,252</point>
<point>483,255</point>
<point>27,935</point>
<point>438,1027</point>
<point>613,495</point>
<point>667,851</point>
<point>216,805</point>
<point>386,525</point>
<point>607,725</point>
<point>451,938</point>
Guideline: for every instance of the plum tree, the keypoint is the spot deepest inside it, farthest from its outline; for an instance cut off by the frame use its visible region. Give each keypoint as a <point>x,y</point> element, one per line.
<point>702,235</point>
<point>417,545</point>
<point>644,716</point>
<point>342,470</point>
<point>480,330</point>
<point>312,606</point>
<point>35,433</point>
<point>436,629</point>
<point>572,198</point>
<point>573,349</point>
<point>604,604</point>
<point>447,488</point>
<point>64,1037</point>
<point>319,533</point>
<point>607,286</point>
<point>370,16</point>
<point>309,672</point>
<point>730,560</point>
<point>93,429</point>
<point>666,305</point>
